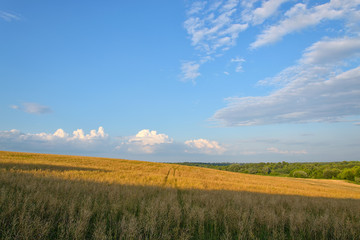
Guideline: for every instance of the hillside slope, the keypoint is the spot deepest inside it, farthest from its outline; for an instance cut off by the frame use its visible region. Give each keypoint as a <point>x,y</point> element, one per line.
<point>130,172</point>
<point>70,197</point>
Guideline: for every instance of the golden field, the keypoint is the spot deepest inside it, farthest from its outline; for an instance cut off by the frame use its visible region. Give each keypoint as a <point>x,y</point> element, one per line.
<point>45,196</point>
<point>130,172</point>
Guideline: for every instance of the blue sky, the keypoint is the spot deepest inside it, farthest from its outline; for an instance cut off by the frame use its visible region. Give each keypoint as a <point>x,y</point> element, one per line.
<point>233,80</point>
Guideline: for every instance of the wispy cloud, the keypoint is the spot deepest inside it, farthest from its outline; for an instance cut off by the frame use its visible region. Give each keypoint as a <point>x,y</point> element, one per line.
<point>260,14</point>
<point>213,26</point>
<point>9,16</point>
<point>314,90</point>
<point>32,108</point>
<point>213,29</point>
<point>300,17</point>
<point>204,146</point>
<point>302,100</point>
<point>239,62</point>
<point>292,152</point>
<point>190,71</point>
<point>322,87</point>
<point>330,51</point>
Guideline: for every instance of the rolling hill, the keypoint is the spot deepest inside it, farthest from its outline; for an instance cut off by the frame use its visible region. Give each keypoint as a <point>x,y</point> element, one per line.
<point>60,197</point>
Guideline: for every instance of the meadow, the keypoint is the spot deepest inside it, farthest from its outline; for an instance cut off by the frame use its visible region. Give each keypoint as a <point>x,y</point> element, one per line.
<point>46,196</point>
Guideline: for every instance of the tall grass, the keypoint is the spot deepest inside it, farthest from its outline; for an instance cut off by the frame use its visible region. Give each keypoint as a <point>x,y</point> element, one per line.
<point>41,200</point>
<point>47,208</point>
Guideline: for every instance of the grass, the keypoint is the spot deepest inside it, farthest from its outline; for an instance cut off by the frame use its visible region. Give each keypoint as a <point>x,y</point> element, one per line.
<point>70,197</point>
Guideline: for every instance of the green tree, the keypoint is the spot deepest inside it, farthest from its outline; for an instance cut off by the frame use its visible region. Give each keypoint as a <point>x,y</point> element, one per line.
<point>317,173</point>
<point>299,174</point>
<point>266,170</point>
<point>347,174</point>
<point>234,167</point>
<point>331,173</point>
<point>357,171</point>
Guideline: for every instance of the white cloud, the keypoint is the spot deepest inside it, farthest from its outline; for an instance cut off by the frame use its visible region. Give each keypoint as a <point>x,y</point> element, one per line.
<point>278,151</point>
<point>213,29</point>
<point>57,142</point>
<point>32,108</point>
<point>323,87</point>
<point>190,71</point>
<point>332,50</point>
<point>196,7</point>
<point>79,134</point>
<point>145,141</point>
<point>300,17</point>
<point>260,14</point>
<point>59,134</point>
<point>204,146</point>
<point>305,99</point>
<point>239,62</point>
<point>9,16</point>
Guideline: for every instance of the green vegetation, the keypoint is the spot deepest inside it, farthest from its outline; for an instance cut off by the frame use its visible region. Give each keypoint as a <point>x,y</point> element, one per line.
<point>346,170</point>
<point>68,197</point>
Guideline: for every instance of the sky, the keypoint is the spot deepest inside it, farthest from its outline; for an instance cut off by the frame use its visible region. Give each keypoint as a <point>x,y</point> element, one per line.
<point>176,81</point>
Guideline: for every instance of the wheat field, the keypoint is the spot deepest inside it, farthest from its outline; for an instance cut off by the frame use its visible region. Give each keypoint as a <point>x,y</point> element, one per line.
<point>46,196</point>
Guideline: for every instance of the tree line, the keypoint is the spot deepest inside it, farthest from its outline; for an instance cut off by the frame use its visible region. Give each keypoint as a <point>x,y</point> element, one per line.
<point>347,170</point>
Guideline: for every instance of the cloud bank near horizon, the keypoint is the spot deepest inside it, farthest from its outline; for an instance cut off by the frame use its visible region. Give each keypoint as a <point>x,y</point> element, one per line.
<point>145,143</point>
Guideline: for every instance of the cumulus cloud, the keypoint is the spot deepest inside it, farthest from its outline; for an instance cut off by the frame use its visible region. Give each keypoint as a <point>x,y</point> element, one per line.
<point>278,151</point>
<point>32,108</point>
<point>300,17</point>
<point>145,141</point>
<point>204,146</point>
<point>8,16</point>
<point>57,142</point>
<point>79,134</point>
<point>59,134</point>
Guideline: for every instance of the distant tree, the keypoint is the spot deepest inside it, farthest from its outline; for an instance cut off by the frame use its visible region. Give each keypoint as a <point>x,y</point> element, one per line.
<point>299,174</point>
<point>347,174</point>
<point>330,173</point>
<point>317,173</point>
<point>234,167</point>
<point>252,170</point>
<point>266,170</point>
<point>357,171</point>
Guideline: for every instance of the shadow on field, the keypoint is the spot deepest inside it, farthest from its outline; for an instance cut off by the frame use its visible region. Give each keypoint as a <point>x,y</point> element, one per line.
<point>22,166</point>
<point>36,207</point>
